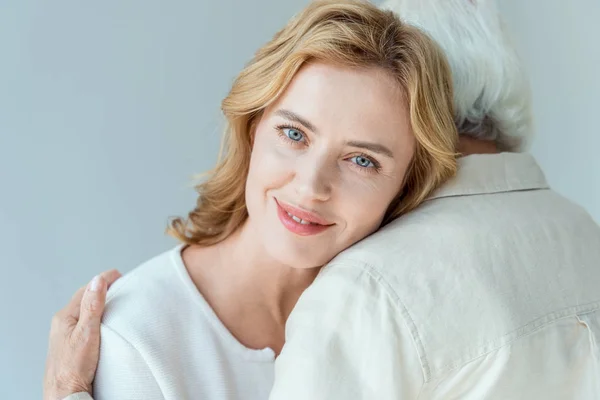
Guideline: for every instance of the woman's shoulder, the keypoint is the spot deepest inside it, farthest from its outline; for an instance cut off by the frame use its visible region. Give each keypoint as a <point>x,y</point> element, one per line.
<point>133,328</point>
<point>145,293</point>
<point>146,274</point>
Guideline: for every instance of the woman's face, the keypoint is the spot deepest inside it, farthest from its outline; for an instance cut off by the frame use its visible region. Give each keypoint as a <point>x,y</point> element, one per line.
<point>327,159</point>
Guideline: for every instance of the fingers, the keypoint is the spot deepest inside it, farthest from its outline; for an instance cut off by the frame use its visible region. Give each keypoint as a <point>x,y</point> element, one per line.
<point>75,339</point>
<point>110,276</point>
<point>92,308</point>
<point>73,309</point>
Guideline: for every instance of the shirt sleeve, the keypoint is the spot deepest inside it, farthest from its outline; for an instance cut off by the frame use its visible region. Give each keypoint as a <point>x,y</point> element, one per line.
<point>79,396</point>
<point>347,339</point>
<point>122,372</point>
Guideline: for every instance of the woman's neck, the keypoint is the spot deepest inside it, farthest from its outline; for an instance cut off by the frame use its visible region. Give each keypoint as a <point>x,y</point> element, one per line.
<point>468,145</point>
<point>251,293</point>
<point>265,280</point>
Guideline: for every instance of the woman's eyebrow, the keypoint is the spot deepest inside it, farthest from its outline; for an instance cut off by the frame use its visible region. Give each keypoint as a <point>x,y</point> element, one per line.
<point>292,116</point>
<point>374,147</point>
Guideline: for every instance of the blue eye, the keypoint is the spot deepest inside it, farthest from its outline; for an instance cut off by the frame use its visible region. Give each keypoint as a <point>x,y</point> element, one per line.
<point>294,134</point>
<point>363,162</point>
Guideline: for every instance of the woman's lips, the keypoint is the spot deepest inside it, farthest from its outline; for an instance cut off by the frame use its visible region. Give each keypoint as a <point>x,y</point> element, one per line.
<point>301,222</point>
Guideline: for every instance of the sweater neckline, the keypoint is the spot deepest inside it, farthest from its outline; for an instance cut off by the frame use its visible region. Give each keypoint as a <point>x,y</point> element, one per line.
<point>257,355</point>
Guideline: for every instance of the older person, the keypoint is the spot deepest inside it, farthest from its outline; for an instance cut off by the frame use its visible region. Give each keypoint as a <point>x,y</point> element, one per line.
<point>489,290</point>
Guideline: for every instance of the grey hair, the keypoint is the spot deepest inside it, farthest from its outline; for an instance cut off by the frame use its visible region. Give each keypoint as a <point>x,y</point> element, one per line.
<point>492,97</point>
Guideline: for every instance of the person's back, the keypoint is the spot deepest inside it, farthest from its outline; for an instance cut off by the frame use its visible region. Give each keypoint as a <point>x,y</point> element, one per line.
<point>504,299</point>
<point>489,290</point>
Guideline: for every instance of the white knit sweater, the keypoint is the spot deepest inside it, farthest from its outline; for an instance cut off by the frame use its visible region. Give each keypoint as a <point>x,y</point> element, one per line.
<point>162,341</point>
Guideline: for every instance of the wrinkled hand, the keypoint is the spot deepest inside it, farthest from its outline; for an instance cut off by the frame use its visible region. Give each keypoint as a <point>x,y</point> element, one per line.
<point>74,344</point>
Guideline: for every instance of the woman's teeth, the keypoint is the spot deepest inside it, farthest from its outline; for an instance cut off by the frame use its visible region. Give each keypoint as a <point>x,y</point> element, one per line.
<point>300,221</point>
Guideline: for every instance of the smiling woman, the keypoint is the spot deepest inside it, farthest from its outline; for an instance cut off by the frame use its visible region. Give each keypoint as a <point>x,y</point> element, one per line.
<point>337,126</point>
<point>271,72</point>
<point>334,148</point>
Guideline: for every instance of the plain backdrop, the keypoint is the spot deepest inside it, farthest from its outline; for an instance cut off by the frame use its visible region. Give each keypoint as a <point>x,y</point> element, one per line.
<point>558,42</point>
<point>108,108</point>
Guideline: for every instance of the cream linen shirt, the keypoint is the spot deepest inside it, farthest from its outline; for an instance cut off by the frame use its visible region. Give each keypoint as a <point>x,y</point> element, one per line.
<point>489,290</point>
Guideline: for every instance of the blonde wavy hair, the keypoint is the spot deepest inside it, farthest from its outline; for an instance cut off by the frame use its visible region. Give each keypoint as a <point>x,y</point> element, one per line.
<point>350,33</point>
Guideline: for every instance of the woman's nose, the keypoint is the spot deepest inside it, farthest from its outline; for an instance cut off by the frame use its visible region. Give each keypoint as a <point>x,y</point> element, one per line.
<point>314,182</point>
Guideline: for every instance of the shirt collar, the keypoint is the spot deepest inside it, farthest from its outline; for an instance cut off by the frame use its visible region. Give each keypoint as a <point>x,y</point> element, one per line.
<point>493,173</point>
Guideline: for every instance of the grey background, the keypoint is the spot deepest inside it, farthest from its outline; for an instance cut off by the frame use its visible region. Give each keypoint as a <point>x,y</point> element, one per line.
<point>108,108</point>
<point>558,42</point>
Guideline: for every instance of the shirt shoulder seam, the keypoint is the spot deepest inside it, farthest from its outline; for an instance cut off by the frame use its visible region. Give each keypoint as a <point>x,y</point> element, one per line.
<point>404,312</point>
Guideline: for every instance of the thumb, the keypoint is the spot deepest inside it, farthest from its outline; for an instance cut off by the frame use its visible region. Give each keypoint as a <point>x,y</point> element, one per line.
<point>92,306</point>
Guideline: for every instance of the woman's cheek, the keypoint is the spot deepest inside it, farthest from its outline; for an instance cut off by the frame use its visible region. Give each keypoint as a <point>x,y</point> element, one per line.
<point>284,153</point>
<point>367,196</point>
<point>276,161</point>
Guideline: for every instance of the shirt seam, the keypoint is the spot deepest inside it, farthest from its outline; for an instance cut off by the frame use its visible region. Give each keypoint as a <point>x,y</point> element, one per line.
<point>140,354</point>
<point>512,341</point>
<point>488,347</point>
<point>474,182</point>
<point>492,346</point>
<point>406,317</point>
<point>523,331</point>
<point>489,191</point>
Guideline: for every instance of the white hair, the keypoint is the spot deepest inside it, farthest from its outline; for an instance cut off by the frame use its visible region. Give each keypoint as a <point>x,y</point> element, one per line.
<point>491,91</point>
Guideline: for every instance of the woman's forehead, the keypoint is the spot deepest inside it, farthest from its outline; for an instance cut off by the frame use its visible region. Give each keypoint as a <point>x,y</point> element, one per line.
<point>334,97</point>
